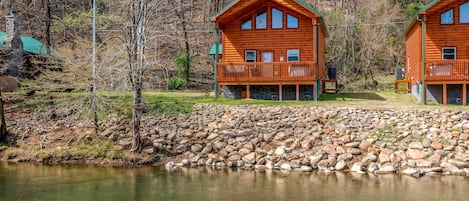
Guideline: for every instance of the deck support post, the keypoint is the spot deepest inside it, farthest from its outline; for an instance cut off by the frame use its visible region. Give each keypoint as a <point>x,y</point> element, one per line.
<point>248,91</point>
<point>297,92</point>
<point>464,93</point>
<point>280,92</point>
<point>445,98</point>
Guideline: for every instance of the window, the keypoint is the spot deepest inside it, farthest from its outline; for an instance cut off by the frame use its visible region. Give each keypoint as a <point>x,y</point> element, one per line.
<point>250,56</point>
<point>293,55</point>
<point>449,53</point>
<point>464,13</point>
<point>447,17</point>
<point>246,24</point>
<point>277,19</point>
<point>292,22</point>
<point>261,20</point>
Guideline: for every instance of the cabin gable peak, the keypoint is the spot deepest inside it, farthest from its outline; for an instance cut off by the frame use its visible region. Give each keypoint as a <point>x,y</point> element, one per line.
<point>234,9</point>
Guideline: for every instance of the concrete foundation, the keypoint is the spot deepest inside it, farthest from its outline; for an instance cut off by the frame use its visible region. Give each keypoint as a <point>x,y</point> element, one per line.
<point>232,91</point>
<point>435,94</point>
<point>454,93</point>
<point>269,92</point>
<point>417,91</point>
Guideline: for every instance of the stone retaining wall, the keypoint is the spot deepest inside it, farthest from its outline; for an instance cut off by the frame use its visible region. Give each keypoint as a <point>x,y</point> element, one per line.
<point>324,138</point>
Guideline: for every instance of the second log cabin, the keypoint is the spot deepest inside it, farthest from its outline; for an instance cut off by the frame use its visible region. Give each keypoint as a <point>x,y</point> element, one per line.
<point>270,50</point>
<point>437,52</point>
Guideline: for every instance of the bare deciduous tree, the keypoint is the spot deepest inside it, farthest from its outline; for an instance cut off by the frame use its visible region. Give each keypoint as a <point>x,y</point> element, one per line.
<point>366,38</point>
<point>136,52</point>
<point>180,11</point>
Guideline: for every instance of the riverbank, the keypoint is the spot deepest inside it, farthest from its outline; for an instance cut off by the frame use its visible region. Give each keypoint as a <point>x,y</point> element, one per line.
<point>326,138</point>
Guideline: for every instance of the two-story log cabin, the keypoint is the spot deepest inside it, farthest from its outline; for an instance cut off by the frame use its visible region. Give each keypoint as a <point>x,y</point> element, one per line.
<point>437,52</point>
<point>270,50</point>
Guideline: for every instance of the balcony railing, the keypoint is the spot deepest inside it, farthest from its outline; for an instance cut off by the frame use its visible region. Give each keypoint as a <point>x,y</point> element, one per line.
<point>266,72</point>
<point>447,70</point>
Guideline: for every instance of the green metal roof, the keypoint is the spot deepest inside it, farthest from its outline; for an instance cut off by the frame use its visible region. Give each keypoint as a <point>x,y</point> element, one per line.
<point>309,7</point>
<point>224,8</point>
<point>214,47</point>
<point>427,6</point>
<point>30,44</point>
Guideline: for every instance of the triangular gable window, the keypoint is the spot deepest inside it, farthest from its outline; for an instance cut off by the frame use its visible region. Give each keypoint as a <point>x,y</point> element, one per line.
<point>246,24</point>
<point>447,17</point>
<point>292,22</point>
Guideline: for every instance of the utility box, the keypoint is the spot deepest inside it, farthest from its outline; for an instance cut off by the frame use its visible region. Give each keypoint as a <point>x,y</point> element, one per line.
<point>400,74</point>
<point>332,73</point>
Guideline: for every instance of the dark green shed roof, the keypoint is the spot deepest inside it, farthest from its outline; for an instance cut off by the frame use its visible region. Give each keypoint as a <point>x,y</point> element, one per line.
<point>213,49</point>
<point>30,44</point>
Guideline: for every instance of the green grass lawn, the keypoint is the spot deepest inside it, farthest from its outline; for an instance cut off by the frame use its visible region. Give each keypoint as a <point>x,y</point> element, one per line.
<point>172,103</point>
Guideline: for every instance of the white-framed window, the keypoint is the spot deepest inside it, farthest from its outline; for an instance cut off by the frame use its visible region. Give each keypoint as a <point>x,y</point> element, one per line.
<point>292,21</point>
<point>293,55</point>
<point>277,19</point>
<point>250,55</point>
<point>447,17</point>
<point>464,13</point>
<point>246,24</point>
<point>261,20</point>
<point>448,53</point>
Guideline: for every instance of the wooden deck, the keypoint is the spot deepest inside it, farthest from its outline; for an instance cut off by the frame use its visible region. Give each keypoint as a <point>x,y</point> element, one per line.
<point>447,70</point>
<point>267,73</point>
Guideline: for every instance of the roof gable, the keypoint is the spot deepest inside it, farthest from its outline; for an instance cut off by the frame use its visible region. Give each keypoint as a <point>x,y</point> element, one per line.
<point>434,6</point>
<point>236,6</point>
<point>429,9</point>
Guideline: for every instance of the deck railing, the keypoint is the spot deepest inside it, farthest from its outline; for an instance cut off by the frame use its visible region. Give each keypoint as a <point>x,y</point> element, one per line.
<point>266,71</point>
<point>447,70</point>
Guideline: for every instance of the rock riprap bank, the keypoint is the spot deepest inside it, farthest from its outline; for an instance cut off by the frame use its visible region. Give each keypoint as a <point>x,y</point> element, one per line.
<point>327,138</point>
<point>318,138</point>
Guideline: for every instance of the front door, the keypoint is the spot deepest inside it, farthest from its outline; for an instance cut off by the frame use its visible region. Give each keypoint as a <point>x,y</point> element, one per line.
<point>267,70</point>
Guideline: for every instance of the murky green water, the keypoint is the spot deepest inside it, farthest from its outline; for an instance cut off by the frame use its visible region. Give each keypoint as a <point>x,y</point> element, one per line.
<point>82,183</point>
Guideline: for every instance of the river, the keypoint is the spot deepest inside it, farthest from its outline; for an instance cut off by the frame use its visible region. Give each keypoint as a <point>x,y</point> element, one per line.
<point>84,183</point>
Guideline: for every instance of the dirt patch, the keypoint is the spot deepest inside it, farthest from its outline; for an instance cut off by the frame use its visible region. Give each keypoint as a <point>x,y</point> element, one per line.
<point>8,84</point>
<point>36,135</point>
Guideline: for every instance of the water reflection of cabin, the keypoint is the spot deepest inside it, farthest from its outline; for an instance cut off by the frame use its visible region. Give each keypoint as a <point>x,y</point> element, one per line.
<point>271,50</point>
<point>438,66</point>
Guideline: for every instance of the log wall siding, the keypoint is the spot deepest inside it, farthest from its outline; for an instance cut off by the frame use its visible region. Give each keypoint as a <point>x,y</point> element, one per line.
<point>438,36</point>
<point>414,54</point>
<point>236,41</point>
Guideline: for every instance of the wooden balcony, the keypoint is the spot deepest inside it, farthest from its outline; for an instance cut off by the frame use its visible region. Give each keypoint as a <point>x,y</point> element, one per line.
<point>447,70</point>
<point>262,72</point>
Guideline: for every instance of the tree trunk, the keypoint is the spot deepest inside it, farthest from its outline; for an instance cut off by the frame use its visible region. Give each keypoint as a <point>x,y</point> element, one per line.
<point>136,117</point>
<point>48,22</point>
<point>186,40</point>
<point>3,125</point>
<point>136,51</point>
